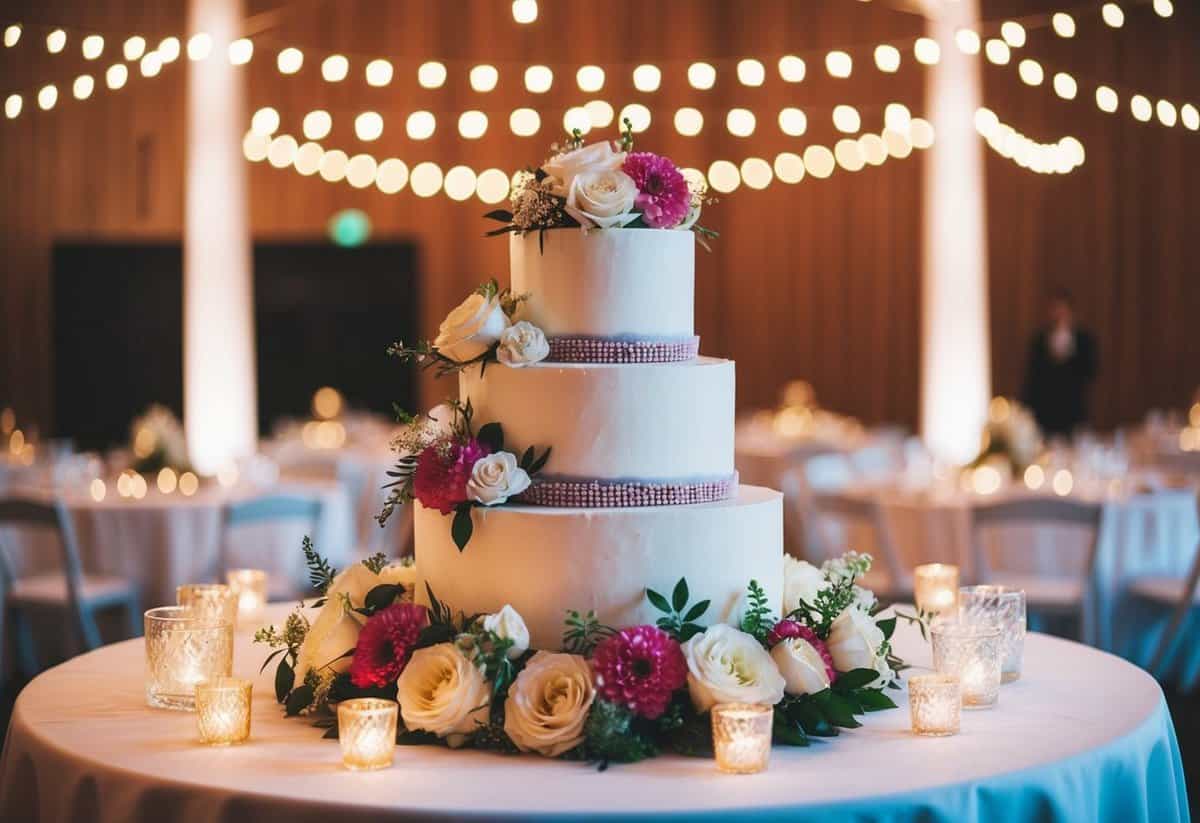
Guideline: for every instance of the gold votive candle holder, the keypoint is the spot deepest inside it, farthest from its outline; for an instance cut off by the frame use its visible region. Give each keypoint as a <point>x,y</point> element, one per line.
<point>1004,607</point>
<point>742,737</point>
<point>935,586</point>
<point>184,647</point>
<point>249,586</point>
<point>367,731</point>
<point>223,710</point>
<point>935,703</point>
<point>215,600</point>
<point>972,653</point>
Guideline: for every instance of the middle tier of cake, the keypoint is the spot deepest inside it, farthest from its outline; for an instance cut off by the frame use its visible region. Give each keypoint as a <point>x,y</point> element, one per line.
<point>645,423</point>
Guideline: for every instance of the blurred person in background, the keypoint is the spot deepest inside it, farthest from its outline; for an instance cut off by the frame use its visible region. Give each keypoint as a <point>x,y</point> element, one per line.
<point>1060,370</point>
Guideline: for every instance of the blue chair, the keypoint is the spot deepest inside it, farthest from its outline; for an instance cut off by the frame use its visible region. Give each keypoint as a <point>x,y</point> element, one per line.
<point>69,591</point>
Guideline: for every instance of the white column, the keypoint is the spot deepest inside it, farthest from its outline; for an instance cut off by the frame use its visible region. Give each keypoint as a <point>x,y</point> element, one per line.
<point>955,348</point>
<point>220,390</point>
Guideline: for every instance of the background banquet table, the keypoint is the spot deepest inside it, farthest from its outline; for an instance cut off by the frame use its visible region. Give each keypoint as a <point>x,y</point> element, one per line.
<point>1082,736</point>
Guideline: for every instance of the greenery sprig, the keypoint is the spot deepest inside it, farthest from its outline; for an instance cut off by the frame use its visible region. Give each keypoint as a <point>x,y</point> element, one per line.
<point>678,619</point>
<point>758,618</point>
<point>583,633</point>
<point>320,573</point>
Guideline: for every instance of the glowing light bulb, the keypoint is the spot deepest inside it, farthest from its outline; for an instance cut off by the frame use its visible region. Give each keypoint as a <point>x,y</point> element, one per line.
<point>1065,86</point>
<point>740,122</point>
<point>701,76</point>
<point>887,58</point>
<point>1190,117</point>
<point>756,173</point>
<point>134,48</point>
<point>689,121</point>
<point>1106,99</point>
<point>849,155</point>
<point>83,87</point>
<point>575,119</point>
<point>199,46</point>
<point>897,142</point>
<point>647,78</point>
<point>1164,8</point>
<point>368,126</point>
<point>838,64</point>
<point>1064,24</point>
<point>335,68</point>
<point>12,106</point>
<point>590,78</point>
<point>751,73</point>
<point>420,125</point>
<point>793,122</point>
<point>56,41</point>
<point>290,60</point>
<point>525,11</point>
<point>1031,72</point>
<point>472,124</point>
<point>638,116</point>
<point>1013,33</point>
<point>483,78</point>
<point>391,176</point>
<point>897,116</point>
<point>600,112</point>
<point>1112,15</point>
<point>360,171</point>
<point>12,35</point>
<point>846,119</point>
<point>723,176</point>
<point>378,73</point>
<point>241,51</point>
<point>150,64</point>
<point>431,75</point>
<point>792,68</point>
<point>491,186</point>
<point>459,183</point>
<point>819,161</point>
<point>308,159</point>
<point>789,167</point>
<point>1141,108</point>
<point>874,150</point>
<point>282,151</point>
<point>920,133</point>
<point>968,41</point>
<point>524,122</point>
<point>997,52</point>
<point>927,51</point>
<point>317,124</point>
<point>426,179</point>
<point>538,79</point>
<point>333,166</point>
<point>92,46</point>
<point>116,76</point>
<point>986,121</point>
<point>265,121</point>
<point>1167,113</point>
<point>47,96</point>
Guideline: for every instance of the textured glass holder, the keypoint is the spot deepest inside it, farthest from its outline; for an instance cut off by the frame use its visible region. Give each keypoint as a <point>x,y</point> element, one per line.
<point>1003,607</point>
<point>742,737</point>
<point>935,586</point>
<point>367,731</point>
<point>935,702</point>
<point>223,710</point>
<point>250,588</point>
<point>970,652</point>
<point>214,600</point>
<point>183,648</point>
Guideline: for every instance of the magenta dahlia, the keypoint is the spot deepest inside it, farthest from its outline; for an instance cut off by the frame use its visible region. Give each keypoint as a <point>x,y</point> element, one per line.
<point>640,667</point>
<point>786,629</point>
<point>663,195</point>
<point>443,469</point>
<point>385,644</point>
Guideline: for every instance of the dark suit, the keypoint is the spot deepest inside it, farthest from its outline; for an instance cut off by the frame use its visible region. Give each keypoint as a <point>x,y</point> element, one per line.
<point>1057,390</point>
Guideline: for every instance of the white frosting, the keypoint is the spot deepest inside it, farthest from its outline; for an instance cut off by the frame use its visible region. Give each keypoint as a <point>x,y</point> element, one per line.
<point>544,561</point>
<point>607,283</point>
<point>671,421</point>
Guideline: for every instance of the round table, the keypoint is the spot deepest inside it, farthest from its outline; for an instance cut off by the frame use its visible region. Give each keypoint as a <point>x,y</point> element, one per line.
<point>1082,736</point>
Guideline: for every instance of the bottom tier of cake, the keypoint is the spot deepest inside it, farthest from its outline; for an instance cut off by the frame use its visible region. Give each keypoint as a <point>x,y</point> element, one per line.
<point>545,561</point>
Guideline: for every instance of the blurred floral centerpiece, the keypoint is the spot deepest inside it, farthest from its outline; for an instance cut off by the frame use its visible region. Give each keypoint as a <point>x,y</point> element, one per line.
<point>157,441</point>
<point>1011,435</point>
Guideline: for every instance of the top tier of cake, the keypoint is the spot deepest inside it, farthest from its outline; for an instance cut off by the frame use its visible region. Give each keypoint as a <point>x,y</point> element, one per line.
<point>616,283</point>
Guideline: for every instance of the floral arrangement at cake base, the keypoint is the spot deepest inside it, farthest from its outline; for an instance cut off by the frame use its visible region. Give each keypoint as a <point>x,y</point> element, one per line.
<point>446,465</point>
<point>609,695</point>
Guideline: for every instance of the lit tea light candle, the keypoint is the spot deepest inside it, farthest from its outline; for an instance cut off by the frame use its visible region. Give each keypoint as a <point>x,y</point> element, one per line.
<point>935,586</point>
<point>972,653</point>
<point>367,731</point>
<point>1003,607</point>
<point>223,710</point>
<point>250,588</point>
<point>742,737</point>
<point>935,702</point>
<point>213,600</point>
<point>184,647</point>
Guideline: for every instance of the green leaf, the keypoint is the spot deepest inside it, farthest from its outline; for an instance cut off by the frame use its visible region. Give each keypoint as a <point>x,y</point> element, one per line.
<point>271,657</point>
<point>540,462</point>
<point>812,719</point>
<point>787,732</point>
<point>689,630</point>
<point>836,710</point>
<point>492,436</point>
<point>527,458</point>
<point>462,527</point>
<point>405,737</point>
<point>658,601</point>
<point>874,700</point>
<point>501,215</point>
<point>697,611</point>
<point>437,633</point>
<point>285,677</point>
<point>382,596</point>
<point>855,679</point>
<point>330,734</point>
<point>679,597</point>
<point>300,698</point>
<point>887,627</point>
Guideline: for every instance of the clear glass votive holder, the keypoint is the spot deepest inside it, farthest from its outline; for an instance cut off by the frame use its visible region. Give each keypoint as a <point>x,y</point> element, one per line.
<point>367,731</point>
<point>223,710</point>
<point>1000,606</point>
<point>250,588</point>
<point>935,586</point>
<point>742,737</point>
<point>215,600</point>
<point>184,647</point>
<point>971,652</point>
<point>935,703</point>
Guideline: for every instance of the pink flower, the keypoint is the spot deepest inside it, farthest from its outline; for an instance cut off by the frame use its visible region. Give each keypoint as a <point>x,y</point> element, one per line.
<point>385,644</point>
<point>663,195</point>
<point>785,629</point>
<point>640,667</point>
<point>443,469</point>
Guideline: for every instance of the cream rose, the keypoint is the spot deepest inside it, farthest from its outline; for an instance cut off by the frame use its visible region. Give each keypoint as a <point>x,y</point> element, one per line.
<point>508,625</point>
<point>801,581</point>
<point>549,703</point>
<point>854,641</point>
<point>442,692</point>
<point>521,344</point>
<point>496,478</point>
<point>602,198</point>
<point>565,167</point>
<point>729,666</point>
<point>471,328</point>
<point>801,665</point>
<point>335,631</point>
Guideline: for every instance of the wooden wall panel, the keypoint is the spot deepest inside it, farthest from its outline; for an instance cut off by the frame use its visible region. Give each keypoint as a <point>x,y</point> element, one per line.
<point>817,280</point>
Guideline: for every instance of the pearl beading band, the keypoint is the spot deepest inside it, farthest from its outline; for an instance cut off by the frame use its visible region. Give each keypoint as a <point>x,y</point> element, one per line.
<point>585,349</point>
<point>613,494</point>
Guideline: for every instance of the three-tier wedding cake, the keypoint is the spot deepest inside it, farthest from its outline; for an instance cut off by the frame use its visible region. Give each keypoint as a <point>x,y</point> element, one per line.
<point>640,488</point>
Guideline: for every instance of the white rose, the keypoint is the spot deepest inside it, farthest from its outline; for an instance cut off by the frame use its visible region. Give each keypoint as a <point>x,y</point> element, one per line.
<point>801,581</point>
<point>335,631</point>
<point>729,666</point>
<point>549,703</point>
<point>854,641</point>
<point>471,329</point>
<point>508,625</point>
<point>596,157</point>
<point>439,422</point>
<point>602,198</point>
<point>801,665</point>
<point>522,344</point>
<point>496,478</point>
<point>442,692</point>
